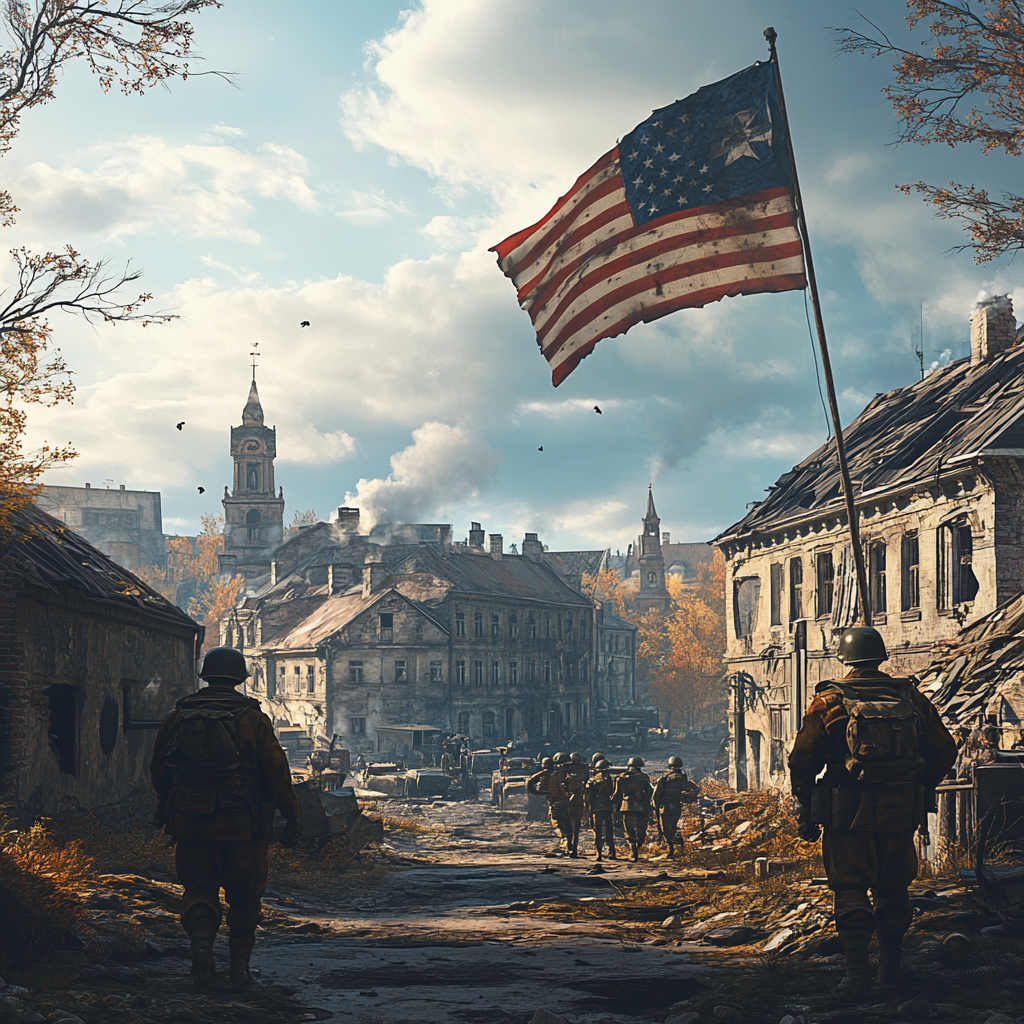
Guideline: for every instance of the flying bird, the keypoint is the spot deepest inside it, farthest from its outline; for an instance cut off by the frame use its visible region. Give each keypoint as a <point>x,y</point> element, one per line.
<point>305,323</point>
<point>597,409</point>
<point>180,425</point>
<point>201,490</point>
<point>541,448</point>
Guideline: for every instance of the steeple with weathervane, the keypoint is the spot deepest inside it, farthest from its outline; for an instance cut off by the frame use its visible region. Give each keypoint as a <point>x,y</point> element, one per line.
<point>253,513</point>
<point>653,593</point>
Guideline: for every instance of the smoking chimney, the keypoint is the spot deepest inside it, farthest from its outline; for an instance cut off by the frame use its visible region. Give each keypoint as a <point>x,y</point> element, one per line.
<point>348,519</point>
<point>993,328</point>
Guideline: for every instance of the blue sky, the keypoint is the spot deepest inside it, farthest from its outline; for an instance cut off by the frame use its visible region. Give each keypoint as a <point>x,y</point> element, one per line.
<point>355,174</point>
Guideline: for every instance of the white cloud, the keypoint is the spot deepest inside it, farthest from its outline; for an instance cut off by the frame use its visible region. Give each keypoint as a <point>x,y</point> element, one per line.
<point>444,467</point>
<point>308,446</point>
<point>372,208</point>
<point>572,407</point>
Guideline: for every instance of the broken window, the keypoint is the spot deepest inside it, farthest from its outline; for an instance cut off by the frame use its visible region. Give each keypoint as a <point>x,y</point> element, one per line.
<point>460,673</point>
<point>513,627</point>
<point>401,672</point>
<point>310,679</point>
<point>252,524</point>
<point>478,624</point>
<point>777,754</point>
<point>463,720</point>
<point>513,673</point>
<point>460,623</point>
<point>876,567</point>
<point>957,582</point>
<point>796,589</point>
<point>436,673</point>
<point>825,571</point>
<point>357,726</point>
<point>777,589</point>
<point>910,572</point>
<point>63,727</point>
<point>478,673</point>
<point>490,726</point>
<point>746,598</point>
<point>355,671</point>
<point>387,625</point>
<point>495,673</point>
<point>495,627</point>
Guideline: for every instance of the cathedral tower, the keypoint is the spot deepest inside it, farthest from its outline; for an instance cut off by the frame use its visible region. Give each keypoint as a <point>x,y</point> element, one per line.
<point>253,513</point>
<point>653,593</point>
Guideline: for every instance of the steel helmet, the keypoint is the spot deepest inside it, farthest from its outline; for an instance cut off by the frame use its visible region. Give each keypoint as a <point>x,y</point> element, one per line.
<point>224,663</point>
<point>547,762</point>
<point>675,762</point>
<point>635,762</point>
<point>602,765</point>
<point>861,643</point>
<point>596,756</point>
<point>575,757</point>
<point>561,758</point>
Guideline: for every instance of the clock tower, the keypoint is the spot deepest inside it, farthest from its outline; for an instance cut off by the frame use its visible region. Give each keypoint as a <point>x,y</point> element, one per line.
<point>253,513</point>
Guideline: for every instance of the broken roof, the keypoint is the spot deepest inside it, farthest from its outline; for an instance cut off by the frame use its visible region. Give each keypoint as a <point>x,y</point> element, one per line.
<point>52,557</point>
<point>571,565</point>
<point>906,436</point>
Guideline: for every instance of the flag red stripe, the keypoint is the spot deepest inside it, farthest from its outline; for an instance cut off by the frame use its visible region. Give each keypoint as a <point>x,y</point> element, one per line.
<point>780,283</point>
<point>691,268</point>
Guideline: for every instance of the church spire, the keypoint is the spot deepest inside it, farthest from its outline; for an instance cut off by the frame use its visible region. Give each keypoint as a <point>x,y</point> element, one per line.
<point>651,513</point>
<point>252,414</point>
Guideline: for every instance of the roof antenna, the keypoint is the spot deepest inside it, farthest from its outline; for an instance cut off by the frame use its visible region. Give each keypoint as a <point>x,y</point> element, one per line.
<point>919,351</point>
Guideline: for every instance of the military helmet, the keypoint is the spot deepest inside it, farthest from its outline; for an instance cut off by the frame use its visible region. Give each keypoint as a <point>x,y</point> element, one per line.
<point>561,758</point>
<point>598,755</point>
<point>635,762</point>
<point>861,643</point>
<point>603,765</point>
<point>576,757</point>
<point>224,663</point>
<point>675,762</point>
<point>547,762</point>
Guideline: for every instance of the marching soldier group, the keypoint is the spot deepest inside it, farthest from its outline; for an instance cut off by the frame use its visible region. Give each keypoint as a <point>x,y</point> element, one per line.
<point>573,789</point>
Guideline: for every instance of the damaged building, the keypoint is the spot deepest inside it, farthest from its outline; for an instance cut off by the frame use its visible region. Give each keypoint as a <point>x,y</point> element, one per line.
<point>92,659</point>
<point>938,477</point>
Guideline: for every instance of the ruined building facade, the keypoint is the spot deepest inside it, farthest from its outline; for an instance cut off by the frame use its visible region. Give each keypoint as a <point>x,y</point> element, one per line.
<point>938,473</point>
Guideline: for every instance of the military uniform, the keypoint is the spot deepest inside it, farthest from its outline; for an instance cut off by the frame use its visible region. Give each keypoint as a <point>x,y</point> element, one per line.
<point>575,783</point>
<point>223,829</point>
<point>598,796</point>
<point>550,783</point>
<point>632,795</point>
<point>671,791</point>
<point>868,826</point>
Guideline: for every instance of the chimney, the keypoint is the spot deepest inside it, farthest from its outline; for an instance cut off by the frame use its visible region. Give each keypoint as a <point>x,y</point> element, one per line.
<point>335,578</point>
<point>348,519</point>
<point>532,548</point>
<point>993,328</point>
<point>665,538</point>
<point>373,576</point>
<point>88,486</point>
<point>476,536</point>
<point>122,487</point>
<point>496,545</point>
<point>273,574</point>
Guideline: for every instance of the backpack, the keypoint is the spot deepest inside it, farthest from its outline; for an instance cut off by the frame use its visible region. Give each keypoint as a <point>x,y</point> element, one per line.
<point>202,746</point>
<point>882,733</point>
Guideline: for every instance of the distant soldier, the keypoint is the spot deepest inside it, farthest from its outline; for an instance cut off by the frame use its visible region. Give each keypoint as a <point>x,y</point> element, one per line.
<point>595,757</point>
<point>549,782</point>
<point>671,791</point>
<point>632,796</point>
<point>575,783</point>
<point>598,796</point>
<point>885,749</point>
<point>219,771</point>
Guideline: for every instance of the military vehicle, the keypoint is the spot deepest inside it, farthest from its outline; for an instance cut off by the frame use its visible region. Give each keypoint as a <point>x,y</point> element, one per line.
<point>626,734</point>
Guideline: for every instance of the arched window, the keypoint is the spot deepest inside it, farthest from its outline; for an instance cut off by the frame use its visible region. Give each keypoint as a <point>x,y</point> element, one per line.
<point>252,522</point>
<point>652,578</point>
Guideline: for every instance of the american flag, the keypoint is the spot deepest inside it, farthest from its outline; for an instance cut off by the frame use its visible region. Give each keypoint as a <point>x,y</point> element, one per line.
<point>694,204</point>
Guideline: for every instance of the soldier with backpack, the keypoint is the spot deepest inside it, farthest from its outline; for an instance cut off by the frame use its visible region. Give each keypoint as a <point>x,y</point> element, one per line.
<point>885,750</point>
<point>219,772</point>
<point>671,791</point>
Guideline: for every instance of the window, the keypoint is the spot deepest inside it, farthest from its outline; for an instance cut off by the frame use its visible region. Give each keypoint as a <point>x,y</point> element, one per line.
<point>532,626</point>
<point>463,723</point>
<point>436,673</point>
<point>495,673</point>
<point>460,673</point>
<point>778,586</point>
<point>513,627</point>
<point>531,672</point>
<point>250,635</point>
<point>558,671</point>
<point>252,523</point>
<point>63,727</point>
<point>777,754</point>
<point>746,597</point>
<point>876,568</point>
<point>297,673</point>
<point>796,589</point>
<point>460,623</point>
<point>357,726</point>
<point>257,677</point>
<point>957,582</point>
<point>547,627</point>
<point>310,679</point>
<point>490,726</point>
<point>478,673</point>
<point>478,624</point>
<point>826,579</point>
<point>583,629</point>
<point>570,671</point>
<point>355,671</point>
<point>387,627</point>
<point>652,578</point>
<point>584,671</point>
<point>401,672</point>
<point>559,627</point>
<point>568,715</point>
<point>547,671</point>
<point>272,683</point>
<point>513,673</point>
<point>568,627</point>
<point>252,476</point>
<point>910,572</point>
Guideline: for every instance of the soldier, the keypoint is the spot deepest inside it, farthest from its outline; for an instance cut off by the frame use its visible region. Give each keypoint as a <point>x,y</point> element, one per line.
<point>575,782</point>
<point>598,797</point>
<point>219,772</point>
<point>671,791</point>
<point>885,749</point>
<point>549,783</point>
<point>632,796</point>
<point>595,757</point>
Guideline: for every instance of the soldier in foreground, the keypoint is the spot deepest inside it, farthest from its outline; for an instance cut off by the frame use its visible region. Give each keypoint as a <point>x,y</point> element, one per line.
<point>598,797</point>
<point>885,749</point>
<point>632,795</point>
<point>671,791</point>
<point>219,772</point>
<point>550,783</point>
<point>575,783</point>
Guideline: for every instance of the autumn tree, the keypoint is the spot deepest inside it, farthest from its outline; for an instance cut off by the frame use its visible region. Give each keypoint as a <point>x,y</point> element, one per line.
<point>965,86</point>
<point>308,517</point>
<point>130,45</point>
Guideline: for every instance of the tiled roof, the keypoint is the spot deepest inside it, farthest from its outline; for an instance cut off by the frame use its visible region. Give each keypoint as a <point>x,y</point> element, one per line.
<point>571,565</point>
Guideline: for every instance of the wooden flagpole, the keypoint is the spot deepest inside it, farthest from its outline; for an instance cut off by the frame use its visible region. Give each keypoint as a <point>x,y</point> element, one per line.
<point>863,605</point>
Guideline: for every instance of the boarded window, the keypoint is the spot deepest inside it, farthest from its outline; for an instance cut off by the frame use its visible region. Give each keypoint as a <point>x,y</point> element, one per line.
<point>777,582</point>
<point>825,570</point>
<point>796,589</point>
<point>746,598</point>
<point>910,572</point>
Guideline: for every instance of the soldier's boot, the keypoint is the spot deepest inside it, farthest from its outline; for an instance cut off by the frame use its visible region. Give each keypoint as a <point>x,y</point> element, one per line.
<point>598,853</point>
<point>611,851</point>
<point>240,945</point>
<point>671,850</point>
<point>856,982</point>
<point>635,847</point>
<point>204,967</point>
<point>890,957</point>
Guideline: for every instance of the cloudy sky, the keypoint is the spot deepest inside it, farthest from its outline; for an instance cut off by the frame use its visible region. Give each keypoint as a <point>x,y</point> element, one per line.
<point>355,174</point>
